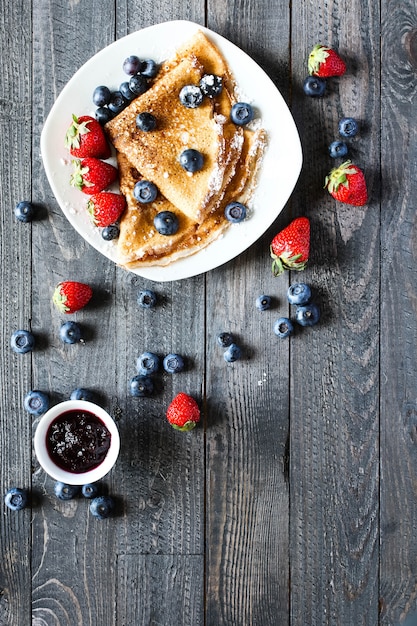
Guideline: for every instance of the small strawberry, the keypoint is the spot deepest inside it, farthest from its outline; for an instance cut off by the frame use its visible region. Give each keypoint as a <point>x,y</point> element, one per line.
<point>290,248</point>
<point>70,296</point>
<point>325,62</point>
<point>91,175</point>
<point>105,208</point>
<point>183,412</point>
<point>85,138</point>
<point>347,184</point>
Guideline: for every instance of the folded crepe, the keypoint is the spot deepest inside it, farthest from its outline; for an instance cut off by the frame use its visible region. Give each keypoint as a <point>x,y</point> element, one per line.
<point>231,159</point>
<point>140,244</point>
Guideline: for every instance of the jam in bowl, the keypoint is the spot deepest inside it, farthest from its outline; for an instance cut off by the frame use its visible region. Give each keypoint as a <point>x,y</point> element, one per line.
<point>76,442</point>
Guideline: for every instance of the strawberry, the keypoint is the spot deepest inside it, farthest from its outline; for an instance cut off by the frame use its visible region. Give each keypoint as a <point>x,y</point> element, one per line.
<point>105,208</point>
<point>70,296</point>
<point>325,62</point>
<point>290,248</point>
<point>85,138</point>
<point>347,184</point>
<point>183,412</point>
<point>91,175</point>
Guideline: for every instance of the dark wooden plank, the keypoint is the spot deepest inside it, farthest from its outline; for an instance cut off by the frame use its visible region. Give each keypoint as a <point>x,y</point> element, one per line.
<point>72,556</point>
<point>399,288</point>
<point>334,452</point>
<point>159,589</point>
<point>159,478</point>
<point>162,478</point>
<point>247,402</point>
<point>16,309</point>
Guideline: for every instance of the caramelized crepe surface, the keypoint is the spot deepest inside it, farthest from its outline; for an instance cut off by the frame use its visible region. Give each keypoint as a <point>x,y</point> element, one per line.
<point>231,159</point>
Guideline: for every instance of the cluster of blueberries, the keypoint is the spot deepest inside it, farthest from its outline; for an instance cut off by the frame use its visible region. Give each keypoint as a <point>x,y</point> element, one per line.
<point>110,103</point>
<point>141,73</point>
<point>101,506</point>
<point>307,312</point>
<point>315,86</point>
<point>37,402</point>
<point>233,351</point>
<point>149,363</point>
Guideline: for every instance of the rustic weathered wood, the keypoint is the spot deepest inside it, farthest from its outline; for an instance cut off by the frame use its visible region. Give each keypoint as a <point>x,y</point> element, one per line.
<point>16,280</point>
<point>247,402</point>
<point>398,314</point>
<point>334,400</point>
<point>293,502</point>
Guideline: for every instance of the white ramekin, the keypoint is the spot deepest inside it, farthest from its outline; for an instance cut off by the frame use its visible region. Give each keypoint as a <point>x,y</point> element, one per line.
<point>47,463</point>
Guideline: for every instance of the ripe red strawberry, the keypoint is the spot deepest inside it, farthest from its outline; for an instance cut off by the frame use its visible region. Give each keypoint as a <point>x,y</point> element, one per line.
<point>183,412</point>
<point>347,184</point>
<point>290,248</point>
<point>85,138</point>
<point>325,62</point>
<point>91,175</point>
<point>70,296</point>
<point>105,208</point>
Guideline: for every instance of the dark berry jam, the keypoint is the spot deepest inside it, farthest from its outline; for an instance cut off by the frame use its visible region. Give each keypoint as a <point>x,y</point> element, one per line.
<point>77,441</point>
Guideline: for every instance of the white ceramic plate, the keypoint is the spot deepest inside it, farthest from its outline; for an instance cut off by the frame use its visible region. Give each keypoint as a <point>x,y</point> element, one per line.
<point>281,163</point>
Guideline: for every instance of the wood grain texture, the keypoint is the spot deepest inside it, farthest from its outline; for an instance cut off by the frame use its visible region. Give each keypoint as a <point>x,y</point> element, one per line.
<point>247,402</point>
<point>398,368</point>
<point>159,589</point>
<point>15,286</point>
<point>72,557</point>
<point>334,452</point>
<point>293,502</point>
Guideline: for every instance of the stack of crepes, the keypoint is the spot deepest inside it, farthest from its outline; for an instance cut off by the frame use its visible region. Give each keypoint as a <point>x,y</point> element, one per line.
<point>231,159</point>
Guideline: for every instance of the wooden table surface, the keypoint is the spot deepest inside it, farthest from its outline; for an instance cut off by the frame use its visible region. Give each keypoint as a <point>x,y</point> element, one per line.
<point>294,501</point>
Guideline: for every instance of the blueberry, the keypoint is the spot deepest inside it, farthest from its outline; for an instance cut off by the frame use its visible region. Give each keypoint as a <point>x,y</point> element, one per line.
<point>299,293</point>
<point>233,353</point>
<point>314,86</point>
<point>225,339</point>
<point>338,149</point>
<point>166,223</point>
<point>149,68</point>
<point>103,115</point>
<point>348,127</point>
<point>263,303</point>
<point>283,327</point>
<point>132,65</point>
<point>36,402</point>
<point>211,85</point>
<point>191,96</point>
<point>126,92</point>
<point>191,160</point>
<point>145,191</point>
<point>147,363</point>
<point>147,299</point>
<point>102,507</point>
<point>235,212</point>
<point>80,393</point>
<point>101,96</point>
<point>16,499</point>
<point>141,386</point>
<point>138,84</point>
<point>22,341</point>
<point>70,332</point>
<point>308,314</point>
<point>146,121</point>
<point>173,363</point>
<point>64,491</point>
<point>89,491</point>
<point>117,102</point>
<point>25,211</point>
<point>241,113</point>
<point>110,232</point>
